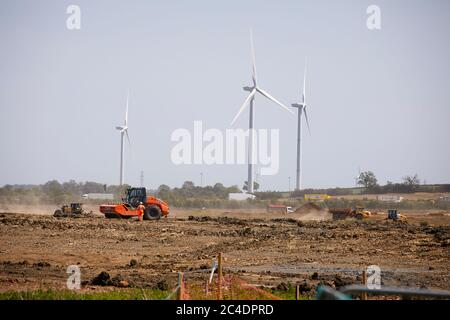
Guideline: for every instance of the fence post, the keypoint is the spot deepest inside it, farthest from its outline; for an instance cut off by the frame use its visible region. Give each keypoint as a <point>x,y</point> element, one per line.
<point>180,291</point>
<point>297,292</point>
<point>219,278</point>
<point>364,282</point>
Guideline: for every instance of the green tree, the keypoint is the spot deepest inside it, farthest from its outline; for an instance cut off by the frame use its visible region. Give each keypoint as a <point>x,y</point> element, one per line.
<point>412,182</point>
<point>255,185</point>
<point>367,179</point>
<point>165,193</point>
<point>54,191</point>
<point>188,185</point>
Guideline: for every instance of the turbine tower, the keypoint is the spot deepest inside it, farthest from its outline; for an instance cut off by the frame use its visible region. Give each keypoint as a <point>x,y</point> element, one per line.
<point>255,88</point>
<point>301,109</point>
<point>123,131</point>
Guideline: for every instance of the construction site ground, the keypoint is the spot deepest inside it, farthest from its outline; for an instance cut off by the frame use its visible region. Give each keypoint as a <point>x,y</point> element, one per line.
<point>268,250</point>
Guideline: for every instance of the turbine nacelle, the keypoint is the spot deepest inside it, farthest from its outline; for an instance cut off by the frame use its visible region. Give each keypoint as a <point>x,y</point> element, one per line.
<point>298,105</point>
<point>249,89</point>
<point>122,128</point>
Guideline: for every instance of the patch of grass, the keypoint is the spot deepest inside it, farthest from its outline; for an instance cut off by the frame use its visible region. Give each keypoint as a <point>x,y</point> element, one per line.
<point>424,223</point>
<point>287,295</point>
<point>122,294</point>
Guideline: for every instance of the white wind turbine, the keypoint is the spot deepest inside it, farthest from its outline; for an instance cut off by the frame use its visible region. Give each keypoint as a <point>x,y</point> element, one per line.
<point>250,98</point>
<point>123,131</point>
<point>301,108</point>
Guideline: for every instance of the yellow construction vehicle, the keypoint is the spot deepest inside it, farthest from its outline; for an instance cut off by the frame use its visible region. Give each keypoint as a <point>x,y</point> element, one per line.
<point>72,210</point>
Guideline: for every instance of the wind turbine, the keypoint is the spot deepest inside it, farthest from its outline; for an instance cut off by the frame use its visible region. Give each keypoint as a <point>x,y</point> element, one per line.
<point>123,131</point>
<point>250,100</point>
<point>301,108</point>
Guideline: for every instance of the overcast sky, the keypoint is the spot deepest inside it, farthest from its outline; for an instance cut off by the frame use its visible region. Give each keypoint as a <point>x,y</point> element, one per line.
<point>377,99</point>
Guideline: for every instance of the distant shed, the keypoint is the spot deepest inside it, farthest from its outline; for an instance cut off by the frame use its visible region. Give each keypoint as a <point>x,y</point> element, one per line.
<point>98,196</point>
<point>390,198</point>
<point>240,196</point>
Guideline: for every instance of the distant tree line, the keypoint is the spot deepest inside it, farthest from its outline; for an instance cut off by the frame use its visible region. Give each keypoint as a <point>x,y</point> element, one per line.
<point>190,195</point>
<point>53,192</point>
<point>369,184</point>
<point>216,196</point>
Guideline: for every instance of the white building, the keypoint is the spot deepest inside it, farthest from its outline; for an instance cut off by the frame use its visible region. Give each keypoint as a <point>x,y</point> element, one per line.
<point>390,198</point>
<point>98,196</point>
<point>240,196</point>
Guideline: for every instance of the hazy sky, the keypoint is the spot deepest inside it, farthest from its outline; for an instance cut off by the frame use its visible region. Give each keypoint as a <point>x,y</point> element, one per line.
<point>378,100</point>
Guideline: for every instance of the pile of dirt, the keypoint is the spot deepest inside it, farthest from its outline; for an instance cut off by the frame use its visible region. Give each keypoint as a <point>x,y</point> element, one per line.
<point>104,279</point>
<point>312,212</point>
<point>308,207</point>
<point>222,220</point>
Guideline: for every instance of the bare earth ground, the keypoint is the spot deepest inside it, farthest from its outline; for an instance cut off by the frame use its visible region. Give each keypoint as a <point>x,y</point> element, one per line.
<point>35,249</point>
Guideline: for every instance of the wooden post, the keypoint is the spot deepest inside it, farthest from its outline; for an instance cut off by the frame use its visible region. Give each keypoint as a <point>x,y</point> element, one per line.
<point>230,288</point>
<point>180,291</point>
<point>219,278</point>
<point>297,292</point>
<point>364,281</point>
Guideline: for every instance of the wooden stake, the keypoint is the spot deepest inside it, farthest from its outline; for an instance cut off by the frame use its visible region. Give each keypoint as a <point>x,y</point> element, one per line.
<point>364,281</point>
<point>206,287</point>
<point>219,278</point>
<point>180,291</point>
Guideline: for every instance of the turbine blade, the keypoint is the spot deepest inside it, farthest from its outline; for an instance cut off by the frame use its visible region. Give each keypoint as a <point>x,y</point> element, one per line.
<point>250,96</point>
<point>128,137</point>
<point>126,111</point>
<point>254,76</point>
<point>304,85</point>
<point>268,96</point>
<point>307,122</point>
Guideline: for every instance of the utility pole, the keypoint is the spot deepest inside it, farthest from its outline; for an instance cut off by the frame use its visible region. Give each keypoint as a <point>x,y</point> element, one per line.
<point>289,178</point>
<point>201,179</point>
<point>142,179</point>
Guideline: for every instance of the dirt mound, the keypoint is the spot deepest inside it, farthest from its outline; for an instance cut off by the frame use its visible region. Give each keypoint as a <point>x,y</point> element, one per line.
<point>104,279</point>
<point>312,211</point>
<point>222,220</point>
<point>308,207</point>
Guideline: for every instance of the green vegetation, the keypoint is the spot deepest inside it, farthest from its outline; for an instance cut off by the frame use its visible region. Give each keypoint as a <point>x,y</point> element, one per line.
<point>135,294</point>
<point>216,196</point>
<point>124,294</point>
<point>190,195</point>
<point>53,192</point>
<point>287,294</point>
<point>255,186</point>
<point>367,179</point>
<point>424,223</point>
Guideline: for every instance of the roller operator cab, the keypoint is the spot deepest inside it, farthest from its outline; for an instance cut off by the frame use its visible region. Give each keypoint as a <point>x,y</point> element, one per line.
<point>154,207</point>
